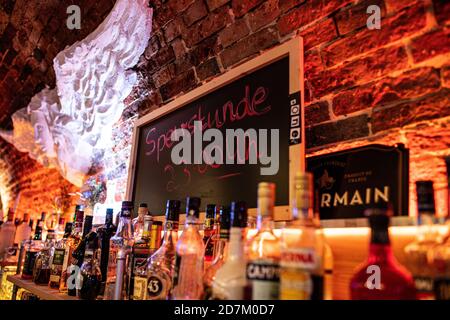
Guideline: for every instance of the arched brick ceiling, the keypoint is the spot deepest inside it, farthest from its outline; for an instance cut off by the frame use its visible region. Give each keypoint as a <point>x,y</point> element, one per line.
<point>31,34</point>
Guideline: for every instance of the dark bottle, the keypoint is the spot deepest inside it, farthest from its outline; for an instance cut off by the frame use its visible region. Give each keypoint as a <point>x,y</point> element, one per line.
<point>57,258</point>
<point>91,276</point>
<point>105,232</point>
<point>78,253</point>
<point>381,277</point>
<point>209,232</point>
<point>31,248</point>
<point>41,270</point>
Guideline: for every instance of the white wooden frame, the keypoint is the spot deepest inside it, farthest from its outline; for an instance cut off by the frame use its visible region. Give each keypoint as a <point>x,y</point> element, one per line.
<point>292,48</point>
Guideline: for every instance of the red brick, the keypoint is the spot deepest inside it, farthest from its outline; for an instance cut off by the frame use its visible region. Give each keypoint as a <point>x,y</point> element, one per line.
<point>411,84</point>
<point>182,83</point>
<point>332,132</point>
<point>442,11</point>
<point>430,44</point>
<point>152,47</point>
<point>377,64</point>
<point>195,12</point>
<point>253,44</point>
<point>308,12</point>
<point>319,33</point>
<point>396,5</point>
<point>178,6</point>
<point>163,15</point>
<point>316,113</point>
<point>204,50</point>
<point>164,75</point>
<point>241,7</point>
<point>446,76</point>
<point>178,48</point>
<point>430,107</point>
<point>214,22</point>
<point>174,29</point>
<point>208,69</point>
<point>234,32</point>
<point>214,4</point>
<point>313,63</point>
<point>264,14</point>
<point>356,16</point>
<point>285,5</point>
<point>394,28</point>
<point>163,57</point>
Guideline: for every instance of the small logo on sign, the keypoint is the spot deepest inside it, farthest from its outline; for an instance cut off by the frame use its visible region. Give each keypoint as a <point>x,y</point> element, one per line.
<point>295,135</point>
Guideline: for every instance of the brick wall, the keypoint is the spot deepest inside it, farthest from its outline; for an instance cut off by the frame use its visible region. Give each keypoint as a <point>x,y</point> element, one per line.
<point>382,86</point>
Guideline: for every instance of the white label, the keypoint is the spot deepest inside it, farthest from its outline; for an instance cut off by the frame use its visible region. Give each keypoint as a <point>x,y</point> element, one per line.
<point>301,258</point>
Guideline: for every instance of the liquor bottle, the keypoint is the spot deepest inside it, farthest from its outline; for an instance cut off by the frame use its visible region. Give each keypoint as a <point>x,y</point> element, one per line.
<point>78,256</point>
<point>22,245</point>
<point>222,251</point>
<point>23,231</point>
<point>41,270</point>
<point>263,250</point>
<point>140,252</point>
<point>60,229</point>
<point>208,233</point>
<point>439,259</point>
<point>138,222</point>
<point>154,281</point>
<point>44,224</point>
<point>105,232</point>
<point>381,277</point>
<point>72,243</point>
<point>91,275</point>
<point>7,231</point>
<point>57,258</point>
<point>188,273</point>
<point>31,248</point>
<point>230,279</point>
<point>302,247</point>
<point>120,246</point>
<point>427,238</point>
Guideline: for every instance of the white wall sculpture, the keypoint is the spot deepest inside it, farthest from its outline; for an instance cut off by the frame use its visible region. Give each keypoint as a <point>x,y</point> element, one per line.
<point>69,127</point>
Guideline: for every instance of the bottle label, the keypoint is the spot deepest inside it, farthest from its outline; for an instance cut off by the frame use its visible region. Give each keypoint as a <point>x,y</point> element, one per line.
<point>58,257</point>
<point>299,258</point>
<point>139,290</point>
<point>424,286</point>
<point>28,265</point>
<point>264,278</point>
<point>154,287</point>
<point>442,288</point>
<point>55,278</point>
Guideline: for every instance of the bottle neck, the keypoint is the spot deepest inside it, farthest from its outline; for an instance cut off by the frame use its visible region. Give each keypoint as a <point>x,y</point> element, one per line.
<point>222,250</point>
<point>236,245</point>
<point>264,223</point>
<point>303,213</point>
<point>380,252</point>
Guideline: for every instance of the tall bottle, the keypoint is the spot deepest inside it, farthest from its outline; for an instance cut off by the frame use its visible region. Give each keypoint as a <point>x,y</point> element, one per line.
<point>417,252</point>
<point>230,281</point>
<point>7,231</point>
<point>41,270</point>
<point>78,257</point>
<point>31,248</point>
<point>120,247</point>
<point>381,277</point>
<point>90,273</point>
<point>302,247</point>
<point>72,243</point>
<point>188,273</point>
<point>208,233</point>
<point>23,231</point>
<point>105,232</point>
<point>57,258</point>
<point>138,222</point>
<point>60,229</point>
<point>154,281</point>
<point>263,250</point>
<point>222,251</point>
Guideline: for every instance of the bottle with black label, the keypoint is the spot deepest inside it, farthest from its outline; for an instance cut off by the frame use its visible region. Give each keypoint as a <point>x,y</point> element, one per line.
<point>264,250</point>
<point>31,248</point>
<point>417,252</point>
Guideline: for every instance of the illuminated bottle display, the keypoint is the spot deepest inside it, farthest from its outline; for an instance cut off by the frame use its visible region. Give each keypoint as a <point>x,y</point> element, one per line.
<point>264,249</point>
<point>57,258</point>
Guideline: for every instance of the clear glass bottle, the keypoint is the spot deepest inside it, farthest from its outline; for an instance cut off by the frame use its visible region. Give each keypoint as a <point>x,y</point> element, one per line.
<point>31,248</point>
<point>230,281</point>
<point>222,251</point>
<point>381,277</point>
<point>57,258</point>
<point>302,247</point>
<point>78,256</point>
<point>208,233</point>
<point>427,238</point>
<point>188,273</point>
<point>154,281</point>
<point>23,231</point>
<point>90,273</point>
<point>138,222</point>
<point>41,270</point>
<point>120,246</point>
<point>264,250</point>
<point>72,243</point>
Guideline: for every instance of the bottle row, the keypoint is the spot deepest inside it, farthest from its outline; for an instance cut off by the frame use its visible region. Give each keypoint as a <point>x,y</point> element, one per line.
<point>223,257</point>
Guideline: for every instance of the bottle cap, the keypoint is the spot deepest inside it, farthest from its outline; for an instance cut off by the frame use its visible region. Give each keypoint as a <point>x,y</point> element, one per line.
<point>79,216</point>
<point>225,218</point>
<point>303,190</point>
<point>266,198</point>
<point>78,207</point>
<point>109,212</point>
<point>173,210</point>
<point>157,223</point>
<point>87,226</point>
<point>210,211</point>
<point>425,197</point>
<point>68,228</point>
<point>61,221</point>
<point>378,218</point>
<point>127,209</point>
<point>239,214</point>
<point>193,206</point>
<point>143,205</point>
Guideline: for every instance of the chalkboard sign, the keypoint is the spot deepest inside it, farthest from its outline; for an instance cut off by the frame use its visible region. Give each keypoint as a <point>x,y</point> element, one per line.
<point>259,102</point>
<point>350,181</point>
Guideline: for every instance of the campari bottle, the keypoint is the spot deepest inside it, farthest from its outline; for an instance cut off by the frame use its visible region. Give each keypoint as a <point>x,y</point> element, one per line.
<point>381,277</point>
